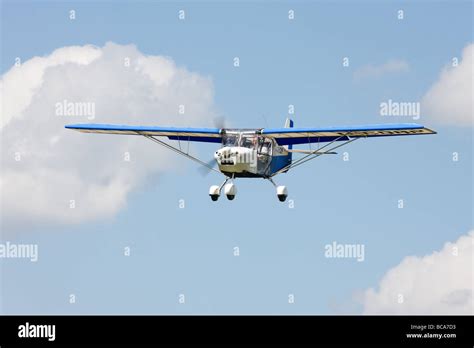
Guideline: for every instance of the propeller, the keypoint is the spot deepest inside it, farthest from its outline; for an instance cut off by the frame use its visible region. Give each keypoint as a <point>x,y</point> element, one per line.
<point>205,170</point>
<point>220,122</point>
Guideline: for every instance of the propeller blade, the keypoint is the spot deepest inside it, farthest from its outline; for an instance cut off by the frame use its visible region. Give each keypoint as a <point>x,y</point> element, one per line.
<point>205,170</point>
<point>220,122</point>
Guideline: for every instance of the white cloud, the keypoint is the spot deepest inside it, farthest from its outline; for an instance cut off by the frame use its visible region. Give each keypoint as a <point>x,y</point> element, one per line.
<point>376,71</point>
<point>58,165</point>
<point>18,85</point>
<point>450,99</point>
<point>439,283</point>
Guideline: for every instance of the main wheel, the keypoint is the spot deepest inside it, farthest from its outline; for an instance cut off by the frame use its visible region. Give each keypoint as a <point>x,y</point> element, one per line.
<point>230,191</point>
<point>282,198</point>
<point>214,192</point>
<point>282,193</point>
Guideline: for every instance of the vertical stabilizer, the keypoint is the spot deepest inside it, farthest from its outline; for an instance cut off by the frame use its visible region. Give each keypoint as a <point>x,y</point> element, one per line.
<point>289,124</point>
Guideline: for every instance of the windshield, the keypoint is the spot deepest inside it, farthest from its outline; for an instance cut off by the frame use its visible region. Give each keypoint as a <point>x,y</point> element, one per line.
<point>230,139</point>
<point>240,139</point>
<point>249,141</point>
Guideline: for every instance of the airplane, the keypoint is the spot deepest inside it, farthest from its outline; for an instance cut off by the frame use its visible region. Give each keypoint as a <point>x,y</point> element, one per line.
<point>260,152</point>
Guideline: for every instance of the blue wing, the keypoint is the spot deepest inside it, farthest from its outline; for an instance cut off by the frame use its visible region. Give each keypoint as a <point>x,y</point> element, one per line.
<point>209,135</point>
<point>287,136</point>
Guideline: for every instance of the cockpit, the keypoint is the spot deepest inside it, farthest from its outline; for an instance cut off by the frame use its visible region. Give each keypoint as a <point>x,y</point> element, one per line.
<point>255,160</point>
<point>248,140</point>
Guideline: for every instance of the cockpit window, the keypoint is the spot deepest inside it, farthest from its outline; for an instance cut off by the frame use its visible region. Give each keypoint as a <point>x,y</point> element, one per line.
<point>249,141</point>
<point>264,146</point>
<point>230,139</point>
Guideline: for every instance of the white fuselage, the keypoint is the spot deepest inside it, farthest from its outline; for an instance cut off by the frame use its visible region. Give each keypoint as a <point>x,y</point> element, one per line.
<point>236,159</point>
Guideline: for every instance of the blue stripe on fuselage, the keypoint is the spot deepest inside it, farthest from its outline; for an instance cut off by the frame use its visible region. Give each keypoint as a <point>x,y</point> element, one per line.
<point>279,162</point>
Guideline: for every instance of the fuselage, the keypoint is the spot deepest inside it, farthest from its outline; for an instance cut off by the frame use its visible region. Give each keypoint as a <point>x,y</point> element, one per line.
<point>246,153</point>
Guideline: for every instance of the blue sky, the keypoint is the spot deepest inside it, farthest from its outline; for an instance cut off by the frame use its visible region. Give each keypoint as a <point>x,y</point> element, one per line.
<point>283,62</point>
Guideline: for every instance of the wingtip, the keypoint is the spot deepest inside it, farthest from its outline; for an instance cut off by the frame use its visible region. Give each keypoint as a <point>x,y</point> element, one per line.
<point>432,131</point>
<point>72,126</point>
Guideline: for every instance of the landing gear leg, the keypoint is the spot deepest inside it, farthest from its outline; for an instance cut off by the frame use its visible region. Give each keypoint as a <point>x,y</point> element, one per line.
<point>230,189</point>
<point>215,191</point>
<point>282,192</point>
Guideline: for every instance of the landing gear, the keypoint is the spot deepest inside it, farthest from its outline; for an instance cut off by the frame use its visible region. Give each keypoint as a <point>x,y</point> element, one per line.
<point>282,191</point>
<point>230,190</point>
<point>214,192</point>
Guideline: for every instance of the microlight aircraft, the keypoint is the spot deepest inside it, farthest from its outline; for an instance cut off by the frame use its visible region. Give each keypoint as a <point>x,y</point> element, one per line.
<point>260,152</point>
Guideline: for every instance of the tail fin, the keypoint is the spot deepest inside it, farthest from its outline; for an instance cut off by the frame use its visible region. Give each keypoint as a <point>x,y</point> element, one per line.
<point>289,124</point>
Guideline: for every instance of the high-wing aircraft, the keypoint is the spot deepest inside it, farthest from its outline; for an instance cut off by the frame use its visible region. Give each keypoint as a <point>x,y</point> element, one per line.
<point>257,153</point>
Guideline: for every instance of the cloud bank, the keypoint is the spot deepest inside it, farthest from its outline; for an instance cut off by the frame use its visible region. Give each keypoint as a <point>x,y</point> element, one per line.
<point>450,99</point>
<point>61,176</point>
<point>376,71</point>
<point>439,283</point>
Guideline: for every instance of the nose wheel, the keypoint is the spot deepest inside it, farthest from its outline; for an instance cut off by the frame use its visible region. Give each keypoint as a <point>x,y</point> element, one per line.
<point>214,192</point>
<point>230,190</point>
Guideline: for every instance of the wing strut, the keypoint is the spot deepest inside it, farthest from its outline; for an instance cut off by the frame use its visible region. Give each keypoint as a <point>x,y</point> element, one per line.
<point>314,154</point>
<point>179,151</point>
